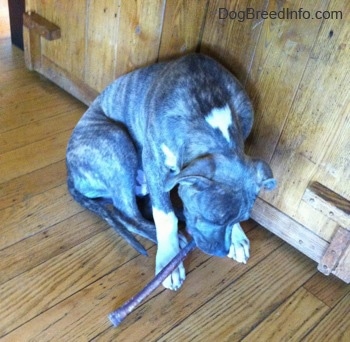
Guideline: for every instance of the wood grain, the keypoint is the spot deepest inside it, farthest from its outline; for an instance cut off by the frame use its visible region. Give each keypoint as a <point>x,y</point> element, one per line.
<point>69,16</point>
<point>38,130</point>
<point>29,185</point>
<point>103,19</point>
<point>292,320</point>
<point>31,92</point>
<point>37,102</point>
<point>342,270</point>
<point>289,230</point>
<point>329,290</point>
<point>13,165</point>
<point>335,326</point>
<point>48,284</point>
<point>41,26</point>
<point>47,244</point>
<point>182,27</point>
<point>231,42</point>
<point>310,133</point>
<point>329,203</point>
<point>315,221</point>
<point>67,81</point>
<point>32,47</point>
<point>282,53</point>
<point>235,313</point>
<point>205,282</point>
<point>115,285</point>
<point>339,244</point>
<point>139,34</point>
<point>35,214</point>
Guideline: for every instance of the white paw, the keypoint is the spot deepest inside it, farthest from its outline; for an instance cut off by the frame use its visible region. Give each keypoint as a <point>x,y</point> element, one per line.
<point>177,277</point>
<point>163,257</point>
<point>239,249</point>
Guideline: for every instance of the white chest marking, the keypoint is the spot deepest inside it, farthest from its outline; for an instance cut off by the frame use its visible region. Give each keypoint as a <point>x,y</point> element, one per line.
<point>220,118</point>
<point>170,158</point>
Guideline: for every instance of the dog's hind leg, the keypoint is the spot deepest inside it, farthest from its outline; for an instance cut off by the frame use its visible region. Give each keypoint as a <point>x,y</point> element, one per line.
<point>132,218</point>
<point>100,207</point>
<point>104,166</point>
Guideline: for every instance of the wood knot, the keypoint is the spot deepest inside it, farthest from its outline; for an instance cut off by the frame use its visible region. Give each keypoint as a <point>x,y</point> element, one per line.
<point>138,30</point>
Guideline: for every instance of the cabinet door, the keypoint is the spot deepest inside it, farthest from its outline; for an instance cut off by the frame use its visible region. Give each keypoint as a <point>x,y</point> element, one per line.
<point>98,41</point>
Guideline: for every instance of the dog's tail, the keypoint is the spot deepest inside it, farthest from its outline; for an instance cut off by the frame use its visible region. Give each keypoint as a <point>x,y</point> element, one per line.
<point>113,217</point>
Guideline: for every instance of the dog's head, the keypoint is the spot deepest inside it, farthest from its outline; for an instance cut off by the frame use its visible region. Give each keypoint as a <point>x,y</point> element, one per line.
<point>218,191</point>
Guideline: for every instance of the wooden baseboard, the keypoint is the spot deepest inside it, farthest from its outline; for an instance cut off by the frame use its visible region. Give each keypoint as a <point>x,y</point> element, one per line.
<point>66,81</point>
<point>298,236</point>
<point>289,230</point>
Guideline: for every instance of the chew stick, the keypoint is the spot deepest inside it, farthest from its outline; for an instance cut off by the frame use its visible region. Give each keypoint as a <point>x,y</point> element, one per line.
<point>117,316</point>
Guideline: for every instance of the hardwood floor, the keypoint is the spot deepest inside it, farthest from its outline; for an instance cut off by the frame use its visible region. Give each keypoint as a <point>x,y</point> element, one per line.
<point>62,270</point>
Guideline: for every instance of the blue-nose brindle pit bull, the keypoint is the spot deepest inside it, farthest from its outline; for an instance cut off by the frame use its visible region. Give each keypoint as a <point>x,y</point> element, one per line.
<point>181,123</point>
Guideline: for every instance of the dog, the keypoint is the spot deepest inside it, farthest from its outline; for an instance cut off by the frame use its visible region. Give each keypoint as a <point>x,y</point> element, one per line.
<point>178,124</point>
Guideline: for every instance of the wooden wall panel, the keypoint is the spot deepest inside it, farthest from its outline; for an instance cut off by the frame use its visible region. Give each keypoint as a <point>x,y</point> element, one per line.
<point>31,5</point>
<point>139,34</point>
<point>334,170</point>
<point>318,121</point>
<point>232,42</point>
<point>68,52</point>
<point>315,221</point>
<point>281,55</point>
<point>182,28</point>
<point>103,17</point>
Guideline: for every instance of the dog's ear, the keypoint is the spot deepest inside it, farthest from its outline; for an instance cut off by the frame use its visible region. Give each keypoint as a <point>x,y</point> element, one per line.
<point>198,171</point>
<point>264,175</point>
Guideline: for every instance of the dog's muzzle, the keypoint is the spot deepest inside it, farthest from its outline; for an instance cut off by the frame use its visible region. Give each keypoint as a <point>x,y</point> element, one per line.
<point>215,242</point>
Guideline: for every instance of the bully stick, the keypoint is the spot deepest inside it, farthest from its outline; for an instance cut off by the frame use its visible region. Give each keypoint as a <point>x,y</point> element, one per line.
<point>117,316</point>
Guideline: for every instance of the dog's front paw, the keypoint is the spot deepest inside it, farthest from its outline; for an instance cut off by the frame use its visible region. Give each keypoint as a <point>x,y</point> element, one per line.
<point>239,249</point>
<point>163,257</point>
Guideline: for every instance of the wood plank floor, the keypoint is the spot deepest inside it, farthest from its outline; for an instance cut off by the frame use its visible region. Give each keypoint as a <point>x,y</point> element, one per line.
<point>62,270</point>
